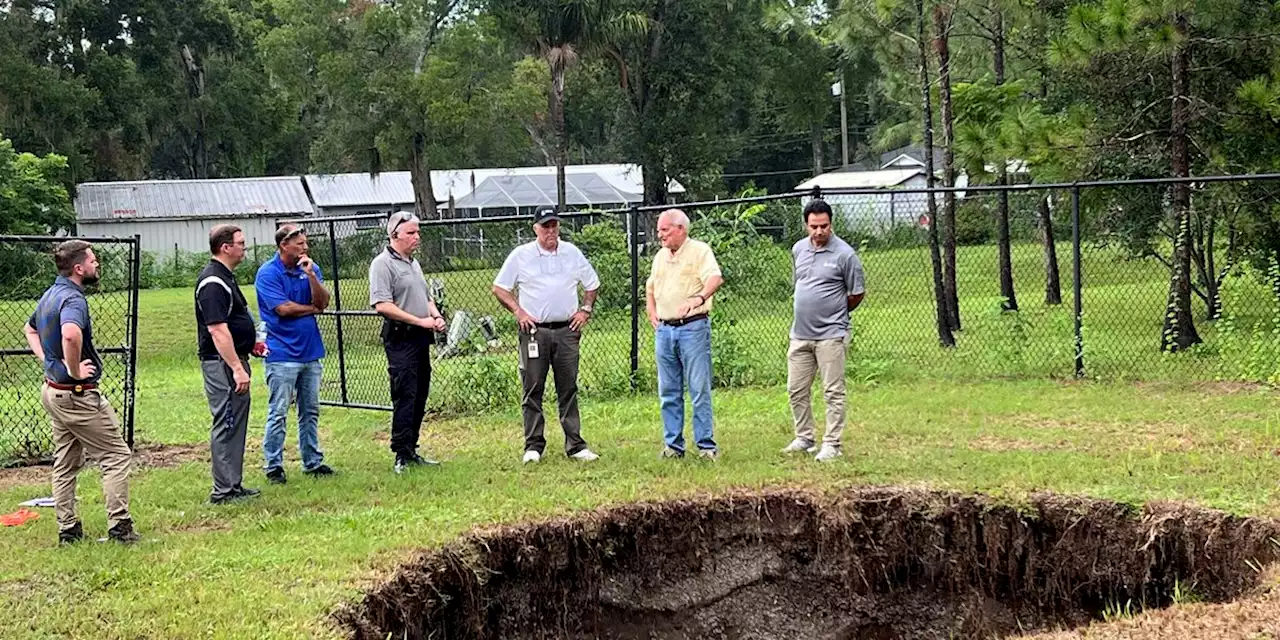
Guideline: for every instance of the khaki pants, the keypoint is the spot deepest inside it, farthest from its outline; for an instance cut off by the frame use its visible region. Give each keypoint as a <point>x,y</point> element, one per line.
<point>86,425</point>
<point>805,358</point>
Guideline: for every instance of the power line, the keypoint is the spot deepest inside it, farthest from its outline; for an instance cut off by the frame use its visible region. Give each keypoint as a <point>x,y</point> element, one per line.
<point>776,173</point>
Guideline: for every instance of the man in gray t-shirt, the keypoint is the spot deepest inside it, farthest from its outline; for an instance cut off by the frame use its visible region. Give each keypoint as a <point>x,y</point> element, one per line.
<point>398,292</point>
<point>828,281</point>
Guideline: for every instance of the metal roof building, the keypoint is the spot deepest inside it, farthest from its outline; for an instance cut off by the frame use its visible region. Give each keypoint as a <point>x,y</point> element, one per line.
<point>340,194</point>
<point>177,214</point>
<point>514,195</point>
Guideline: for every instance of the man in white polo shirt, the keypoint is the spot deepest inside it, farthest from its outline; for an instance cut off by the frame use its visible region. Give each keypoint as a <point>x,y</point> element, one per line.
<point>547,273</point>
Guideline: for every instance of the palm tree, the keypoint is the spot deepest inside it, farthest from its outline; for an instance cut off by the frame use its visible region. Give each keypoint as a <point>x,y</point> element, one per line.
<point>560,32</point>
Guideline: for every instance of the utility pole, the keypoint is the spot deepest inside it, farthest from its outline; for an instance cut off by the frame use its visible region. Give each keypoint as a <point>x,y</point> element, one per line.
<point>838,89</point>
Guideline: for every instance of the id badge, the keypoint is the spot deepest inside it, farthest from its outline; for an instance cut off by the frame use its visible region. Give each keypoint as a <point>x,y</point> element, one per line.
<point>533,348</point>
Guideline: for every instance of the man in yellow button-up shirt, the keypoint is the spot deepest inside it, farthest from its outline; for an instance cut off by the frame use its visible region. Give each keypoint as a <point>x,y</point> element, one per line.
<point>678,296</point>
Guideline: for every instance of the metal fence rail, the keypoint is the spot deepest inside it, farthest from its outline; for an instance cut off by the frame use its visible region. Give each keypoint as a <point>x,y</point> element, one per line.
<point>26,270</point>
<point>1089,265</point>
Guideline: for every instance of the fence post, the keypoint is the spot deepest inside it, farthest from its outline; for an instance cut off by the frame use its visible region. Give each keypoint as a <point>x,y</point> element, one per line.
<point>337,301</point>
<point>131,374</point>
<point>633,239</point>
<point>1075,277</point>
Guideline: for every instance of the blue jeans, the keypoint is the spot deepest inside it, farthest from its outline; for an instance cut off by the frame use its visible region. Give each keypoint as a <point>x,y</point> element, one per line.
<point>283,380</point>
<point>684,357</point>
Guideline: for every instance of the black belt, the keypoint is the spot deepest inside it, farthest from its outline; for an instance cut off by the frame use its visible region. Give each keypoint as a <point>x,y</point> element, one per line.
<point>680,322</point>
<point>217,358</point>
<point>552,325</point>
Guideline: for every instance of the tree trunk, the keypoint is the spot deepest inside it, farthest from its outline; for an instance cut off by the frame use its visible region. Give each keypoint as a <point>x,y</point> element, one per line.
<point>942,22</point>
<point>1002,178</point>
<point>815,140</point>
<point>556,108</point>
<point>1052,283</point>
<point>195,90</point>
<point>1179,327</point>
<point>945,336</point>
<point>424,198</point>
<point>655,179</point>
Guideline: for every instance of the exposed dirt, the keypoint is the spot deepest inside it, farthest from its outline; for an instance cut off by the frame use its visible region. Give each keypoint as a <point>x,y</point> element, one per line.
<point>865,563</point>
<point>145,455</point>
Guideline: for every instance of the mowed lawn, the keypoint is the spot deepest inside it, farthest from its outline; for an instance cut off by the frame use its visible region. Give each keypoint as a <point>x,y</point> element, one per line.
<point>277,566</point>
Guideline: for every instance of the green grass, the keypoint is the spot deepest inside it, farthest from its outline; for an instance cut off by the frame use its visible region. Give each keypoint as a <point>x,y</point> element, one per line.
<point>275,567</point>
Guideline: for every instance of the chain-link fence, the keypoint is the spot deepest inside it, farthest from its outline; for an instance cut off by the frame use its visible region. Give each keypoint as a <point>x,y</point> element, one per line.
<point>26,270</point>
<point>1013,270</point>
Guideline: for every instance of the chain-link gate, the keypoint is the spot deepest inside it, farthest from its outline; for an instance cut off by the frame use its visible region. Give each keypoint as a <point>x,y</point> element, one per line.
<point>26,270</point>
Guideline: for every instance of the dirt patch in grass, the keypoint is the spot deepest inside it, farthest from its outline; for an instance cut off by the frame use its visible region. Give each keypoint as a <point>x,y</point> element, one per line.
<point>863,563</point>
<point>145,455</point>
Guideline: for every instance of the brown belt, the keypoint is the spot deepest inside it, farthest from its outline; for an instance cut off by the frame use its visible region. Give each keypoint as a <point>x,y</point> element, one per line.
<point>679,322</point>
<point>74,388</point>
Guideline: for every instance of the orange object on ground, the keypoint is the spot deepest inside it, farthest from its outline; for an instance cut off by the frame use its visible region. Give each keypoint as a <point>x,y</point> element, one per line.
<point>21,516</point>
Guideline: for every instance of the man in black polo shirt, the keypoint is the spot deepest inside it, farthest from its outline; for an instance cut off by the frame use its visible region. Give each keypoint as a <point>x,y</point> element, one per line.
<point>226,338</point>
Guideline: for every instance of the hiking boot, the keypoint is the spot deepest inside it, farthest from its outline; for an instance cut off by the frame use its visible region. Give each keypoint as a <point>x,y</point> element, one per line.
<point>276,476</point>
<point>669,452</point>
<point>71,535</point>
<point>123,532</point>
<point>800,445</point>
<point>319,470</point>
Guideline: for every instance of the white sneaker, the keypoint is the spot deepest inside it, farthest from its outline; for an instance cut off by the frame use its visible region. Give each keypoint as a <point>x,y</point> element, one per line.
<point>586,455</point>
<point>828,453</point>
<point>798,445</point>
<point>532,456</point>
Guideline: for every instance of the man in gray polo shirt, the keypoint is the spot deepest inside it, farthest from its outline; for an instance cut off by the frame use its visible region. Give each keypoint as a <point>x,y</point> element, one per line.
<point>828,280</point>
<point>398,292</point>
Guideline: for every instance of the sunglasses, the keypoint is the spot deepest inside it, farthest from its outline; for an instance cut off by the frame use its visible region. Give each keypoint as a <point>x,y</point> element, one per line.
<point>296,231</point>
<point>402,217</point>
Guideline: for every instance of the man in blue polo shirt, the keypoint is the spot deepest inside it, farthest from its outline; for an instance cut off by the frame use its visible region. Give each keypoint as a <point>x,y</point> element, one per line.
<point>290,294</point>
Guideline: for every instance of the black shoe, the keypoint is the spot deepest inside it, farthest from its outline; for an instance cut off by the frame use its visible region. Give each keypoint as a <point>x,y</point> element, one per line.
<point>71,535</point>
<point>123,532</point>
<point>320,470</point>
<point>239,493</point>
<point>403,463</point>
<point>276,476</point>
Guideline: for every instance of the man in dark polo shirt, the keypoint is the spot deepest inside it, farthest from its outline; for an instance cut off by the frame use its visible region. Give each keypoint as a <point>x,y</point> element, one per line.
<point>398,292</point>
<point>828,279</point>
<point>290,294</point>
<point>60,334</point>
<point>225,333</point>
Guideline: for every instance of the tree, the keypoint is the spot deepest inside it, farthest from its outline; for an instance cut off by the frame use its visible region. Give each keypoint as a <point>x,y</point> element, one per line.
<point>33,192</point>
<point>687,79</point>
<point>1164,36</point>
<point>942,22</point>
<point>560,32</point>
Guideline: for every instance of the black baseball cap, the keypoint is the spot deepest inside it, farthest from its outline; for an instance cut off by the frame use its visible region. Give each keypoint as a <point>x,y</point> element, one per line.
<point>543,214</point>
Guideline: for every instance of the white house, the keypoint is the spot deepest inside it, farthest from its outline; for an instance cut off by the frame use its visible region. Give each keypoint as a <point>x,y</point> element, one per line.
<point>881,207</point>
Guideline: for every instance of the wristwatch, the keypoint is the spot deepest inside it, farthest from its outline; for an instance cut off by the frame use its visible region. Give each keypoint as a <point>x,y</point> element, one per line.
<point>586,308</point>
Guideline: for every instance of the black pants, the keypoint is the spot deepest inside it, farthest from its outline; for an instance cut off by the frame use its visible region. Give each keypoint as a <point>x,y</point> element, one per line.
<point>409,366</point>
<point>558,353</point>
